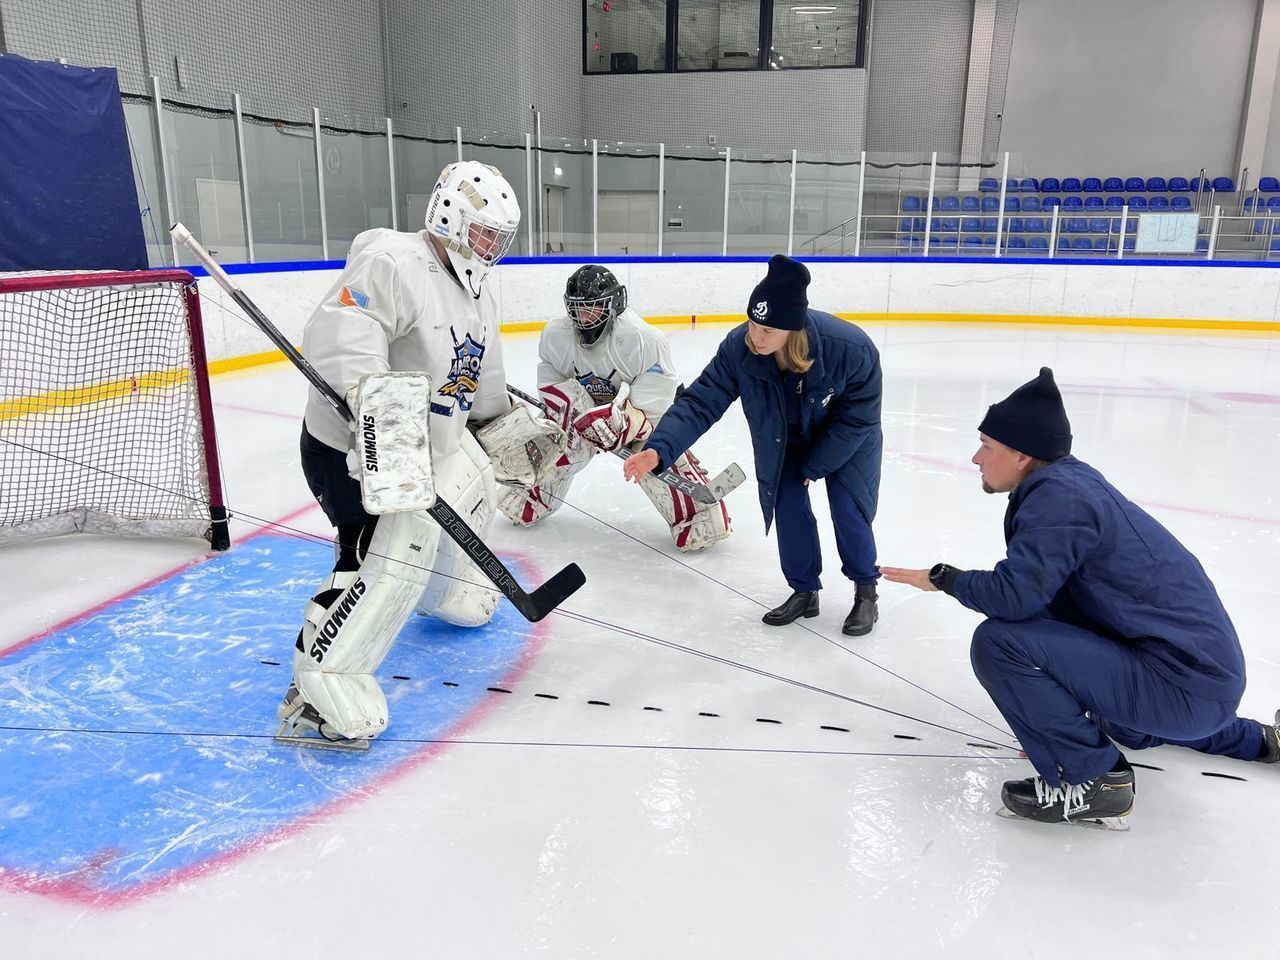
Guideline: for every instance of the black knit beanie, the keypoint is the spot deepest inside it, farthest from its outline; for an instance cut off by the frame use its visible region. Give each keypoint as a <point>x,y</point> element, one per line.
<point>779,300</point>
<point>1031,420</point>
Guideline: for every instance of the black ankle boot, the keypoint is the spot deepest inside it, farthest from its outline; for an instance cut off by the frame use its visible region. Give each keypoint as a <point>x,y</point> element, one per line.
<point>864,613</point>
<point>802,603</point>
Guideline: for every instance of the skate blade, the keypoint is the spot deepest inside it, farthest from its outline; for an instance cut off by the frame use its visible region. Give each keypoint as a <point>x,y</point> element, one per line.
<point>320,743</point>
<point>1114,824</point>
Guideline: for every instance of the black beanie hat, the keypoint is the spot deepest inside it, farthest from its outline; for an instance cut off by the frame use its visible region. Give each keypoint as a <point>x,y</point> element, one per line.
<point>779,300</point>
<point>1031,420</point>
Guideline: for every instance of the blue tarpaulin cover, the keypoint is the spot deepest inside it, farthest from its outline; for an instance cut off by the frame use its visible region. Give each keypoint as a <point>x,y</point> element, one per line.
<point>67,195</point>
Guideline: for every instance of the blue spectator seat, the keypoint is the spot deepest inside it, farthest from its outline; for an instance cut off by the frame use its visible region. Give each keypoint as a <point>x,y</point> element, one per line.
<point>989,224</point>
<point>1030,204</point>
<point>989,242</point>
<point>1181,203</point>
<point>911,203</point>
<point>1202,245</point>
<point>1137,203</point>
<point>1128,243</point>
<point>973,242</point>
<point>1011,185</point>
<point>1194,185</point>
<point>947,243</point>
<point>1101,243</point>
<point>1158,203</point>
<point>1275,245</point>
<point>1132,225</point>
<point>950,224</point>
<point>1091,185</point>
<point>990,203</point>
<point>1224,185</point>
<point>1072,203</point>
<point>1070,185</point>
<point>1053,185</point>
<point>950,203</point>
<point>1115,203</point>
<point>1014,224</point>
<point>1099,225</point>
<point>989,185</point>
<point>1272,204</point>
<point>1178,185</point>
<point>1030,185</point>
<point>1134,183</point>
<point>905,243</point>
<point>1248,203</point>
<point>970,203</point>
<point>1012,203</point>
<point>1156,185</point>
<point>905,224</point>
<point>1016,243</point>
<point>1081,243</point>
<point>1269,185</point>
<point>1077,225</point>
<point>1048,203</point>
<point>1035,225</point>
<point>1093,203</point>
<point>971,224</point>
<point>1038,243</point>
<point>1113,184</point>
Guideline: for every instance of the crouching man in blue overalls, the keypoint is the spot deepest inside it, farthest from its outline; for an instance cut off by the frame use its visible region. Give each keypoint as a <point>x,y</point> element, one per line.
<point>1101,626</point>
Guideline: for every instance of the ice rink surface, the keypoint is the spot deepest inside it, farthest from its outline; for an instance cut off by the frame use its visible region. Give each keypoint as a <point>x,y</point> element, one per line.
<point>651,772</point>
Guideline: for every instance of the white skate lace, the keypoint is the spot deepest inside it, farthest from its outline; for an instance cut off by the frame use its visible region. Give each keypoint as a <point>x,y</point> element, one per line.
<point>1070,795</point>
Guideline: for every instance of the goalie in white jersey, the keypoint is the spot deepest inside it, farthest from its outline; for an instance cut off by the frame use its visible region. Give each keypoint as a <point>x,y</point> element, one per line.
<point>586,358</point>
<point>408,302</point>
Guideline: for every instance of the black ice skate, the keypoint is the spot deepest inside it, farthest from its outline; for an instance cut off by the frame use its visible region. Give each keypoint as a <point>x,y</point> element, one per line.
<point>302,726</point>
<point>1271,741</point>
<point>1102,802</point>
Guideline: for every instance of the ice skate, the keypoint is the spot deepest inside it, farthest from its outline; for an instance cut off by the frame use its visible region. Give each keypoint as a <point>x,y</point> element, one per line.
<point>302,726</point>
<point>1271,741</point>
<point>1105,801</point>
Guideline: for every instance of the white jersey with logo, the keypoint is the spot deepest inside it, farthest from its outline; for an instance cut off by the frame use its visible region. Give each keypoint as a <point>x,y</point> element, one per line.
<point>396,308</point>
<point>629,351</point>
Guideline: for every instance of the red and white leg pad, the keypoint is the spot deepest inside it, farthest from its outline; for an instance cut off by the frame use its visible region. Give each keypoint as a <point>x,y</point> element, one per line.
<point>694,526</point>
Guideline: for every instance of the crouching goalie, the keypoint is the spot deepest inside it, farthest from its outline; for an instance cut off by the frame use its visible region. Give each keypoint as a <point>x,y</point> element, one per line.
<point>606,377</point>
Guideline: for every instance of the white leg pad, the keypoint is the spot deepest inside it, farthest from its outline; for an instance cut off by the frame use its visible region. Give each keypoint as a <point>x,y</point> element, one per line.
<point>345,642</point>
<point>694,526</point>
<point>457,592</point>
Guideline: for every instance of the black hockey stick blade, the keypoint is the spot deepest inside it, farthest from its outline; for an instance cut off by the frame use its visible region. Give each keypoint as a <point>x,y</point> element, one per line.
<point>532,606</point>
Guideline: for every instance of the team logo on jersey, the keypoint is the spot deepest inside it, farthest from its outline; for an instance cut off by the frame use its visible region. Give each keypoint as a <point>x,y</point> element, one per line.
<point>760,311</point>
<point>600,388</point>
<point>351,297</point>
<point>464,375</point>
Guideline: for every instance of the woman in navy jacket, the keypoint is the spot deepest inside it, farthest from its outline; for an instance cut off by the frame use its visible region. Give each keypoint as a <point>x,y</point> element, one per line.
<point>810,389</point>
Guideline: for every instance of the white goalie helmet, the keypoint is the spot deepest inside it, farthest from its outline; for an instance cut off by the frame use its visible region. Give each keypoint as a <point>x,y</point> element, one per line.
<point>473,211</point>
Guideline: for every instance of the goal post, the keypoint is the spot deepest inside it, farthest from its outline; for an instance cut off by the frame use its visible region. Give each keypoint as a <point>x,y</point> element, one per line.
<point>106,423</point>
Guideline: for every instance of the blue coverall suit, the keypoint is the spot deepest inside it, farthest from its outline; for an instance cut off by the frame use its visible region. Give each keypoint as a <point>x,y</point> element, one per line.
<point>1099,608</point>
<point>822,424</point>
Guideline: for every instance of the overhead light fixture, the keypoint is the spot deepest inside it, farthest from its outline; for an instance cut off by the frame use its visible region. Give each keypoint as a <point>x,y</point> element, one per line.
<point>813,9</point>
<point>559,172</point>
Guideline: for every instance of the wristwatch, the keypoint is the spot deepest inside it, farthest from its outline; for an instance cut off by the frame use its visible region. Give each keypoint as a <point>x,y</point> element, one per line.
<point>942,574</point>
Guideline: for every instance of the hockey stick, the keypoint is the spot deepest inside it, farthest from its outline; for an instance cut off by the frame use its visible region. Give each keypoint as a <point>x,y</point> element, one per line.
<point>532,606</point>
<point>715,489</point>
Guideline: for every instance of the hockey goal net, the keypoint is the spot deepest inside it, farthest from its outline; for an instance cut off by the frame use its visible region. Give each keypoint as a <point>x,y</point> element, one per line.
<point>105,420</point>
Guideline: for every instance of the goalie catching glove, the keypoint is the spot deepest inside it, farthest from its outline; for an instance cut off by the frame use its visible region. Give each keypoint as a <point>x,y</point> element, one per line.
<point>523,450</point>
<point>613,425</point>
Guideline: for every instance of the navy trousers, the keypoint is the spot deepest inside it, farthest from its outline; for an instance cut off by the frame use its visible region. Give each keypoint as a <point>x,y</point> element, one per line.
<point>797,529</point>
<point>1044,675</point>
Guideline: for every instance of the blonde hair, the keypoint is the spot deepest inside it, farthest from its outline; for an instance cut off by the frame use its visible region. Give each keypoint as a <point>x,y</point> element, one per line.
<point>794,355</point>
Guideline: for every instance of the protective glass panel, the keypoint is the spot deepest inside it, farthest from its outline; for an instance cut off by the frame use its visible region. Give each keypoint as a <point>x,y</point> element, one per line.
<point>284,191</point>
<point>357,186</point>
<point>139,119</point>
<point>627,214</point>
<point>694,207</point>
<point>759,204</point>
<point>826,206</point>
<point>509,156</point>
<point>206,182</point>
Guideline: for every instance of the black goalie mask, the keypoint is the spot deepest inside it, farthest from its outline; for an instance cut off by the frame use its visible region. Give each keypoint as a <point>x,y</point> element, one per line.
<point>593,297</point>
